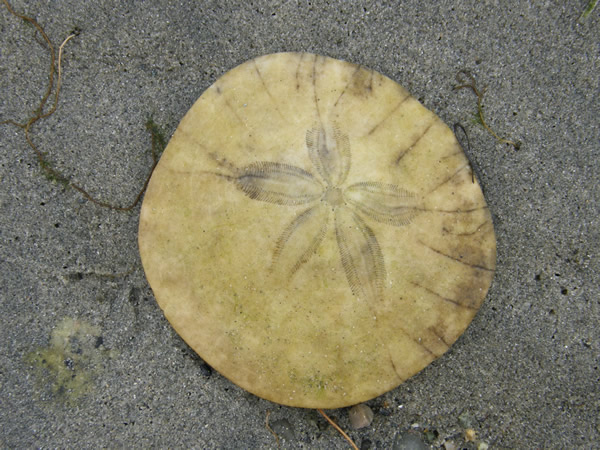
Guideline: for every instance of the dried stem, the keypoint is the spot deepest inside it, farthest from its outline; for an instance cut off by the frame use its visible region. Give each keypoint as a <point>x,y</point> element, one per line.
<point>335,425</point>
<point>271,429</point>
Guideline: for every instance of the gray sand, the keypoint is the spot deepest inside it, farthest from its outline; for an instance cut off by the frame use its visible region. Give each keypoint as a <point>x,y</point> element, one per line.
<point>524,375</point>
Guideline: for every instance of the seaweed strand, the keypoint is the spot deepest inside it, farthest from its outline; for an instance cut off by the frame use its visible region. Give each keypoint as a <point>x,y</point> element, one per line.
<point>470,83</point>
<point>55,72</point>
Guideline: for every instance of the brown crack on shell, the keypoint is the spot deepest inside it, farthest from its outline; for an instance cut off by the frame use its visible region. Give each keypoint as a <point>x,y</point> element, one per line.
<point>361,83</point>
<point>457,300</point>
<point>415,141</point>
<point>467,255</point>
<point>390,114</point>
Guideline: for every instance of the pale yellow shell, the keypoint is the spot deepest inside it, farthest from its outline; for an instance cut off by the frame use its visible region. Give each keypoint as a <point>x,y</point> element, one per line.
<point>314,232</point>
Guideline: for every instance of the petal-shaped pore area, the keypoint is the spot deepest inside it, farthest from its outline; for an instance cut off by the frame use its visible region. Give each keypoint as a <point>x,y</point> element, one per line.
<point>385,203</point>
<point>361,255</point>
<point>282,184</point>
<point>329,151</point>
<point>300,240</point>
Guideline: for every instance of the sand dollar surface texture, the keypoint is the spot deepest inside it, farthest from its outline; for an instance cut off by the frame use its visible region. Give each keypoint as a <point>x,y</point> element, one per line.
<point>314,233</point>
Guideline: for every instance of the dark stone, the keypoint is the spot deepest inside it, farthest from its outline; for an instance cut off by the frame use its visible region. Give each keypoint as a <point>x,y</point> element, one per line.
<point>365,444</point>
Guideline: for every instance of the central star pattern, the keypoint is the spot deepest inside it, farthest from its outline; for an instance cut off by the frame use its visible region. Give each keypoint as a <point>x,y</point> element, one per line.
<point>325,195</point>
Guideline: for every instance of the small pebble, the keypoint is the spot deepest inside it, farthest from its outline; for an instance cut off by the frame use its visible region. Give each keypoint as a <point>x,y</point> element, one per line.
<point>283,428</point>
<point>430,435</point>
<point>409,441</point>
<point>205,369</point>
<point>450,446</point>
<point>470,435</point>
<point>361,416</point>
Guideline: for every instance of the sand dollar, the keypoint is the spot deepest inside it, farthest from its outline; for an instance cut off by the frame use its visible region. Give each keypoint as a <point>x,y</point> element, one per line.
<point>314,233</point>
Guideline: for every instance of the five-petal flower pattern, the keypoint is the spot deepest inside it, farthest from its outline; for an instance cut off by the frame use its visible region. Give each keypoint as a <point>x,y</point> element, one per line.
<point>326,195</point>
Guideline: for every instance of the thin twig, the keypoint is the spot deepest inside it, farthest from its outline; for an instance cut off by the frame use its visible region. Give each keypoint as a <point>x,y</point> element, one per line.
<point>271,429</point>
<point>59,65</point>
<point>335,425</point>
<point>472,84</point>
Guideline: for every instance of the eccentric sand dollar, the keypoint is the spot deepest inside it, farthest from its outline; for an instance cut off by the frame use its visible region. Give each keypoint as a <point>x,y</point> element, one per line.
<point>314,233</point>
